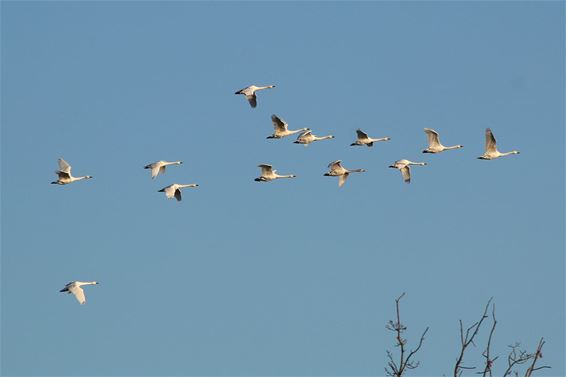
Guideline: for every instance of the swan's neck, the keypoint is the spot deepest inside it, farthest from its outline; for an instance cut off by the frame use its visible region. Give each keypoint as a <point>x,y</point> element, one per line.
<point>453,147</point>
<point>286,176</point>
<point>264,87</point>
<point>508,153</point>
<point>356,171</point>
<point>324,137</point>
<point>417,163</point>
<point>81,178</point>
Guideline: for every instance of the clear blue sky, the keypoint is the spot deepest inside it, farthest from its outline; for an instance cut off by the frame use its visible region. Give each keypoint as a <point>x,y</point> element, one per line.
<point>294,277</point>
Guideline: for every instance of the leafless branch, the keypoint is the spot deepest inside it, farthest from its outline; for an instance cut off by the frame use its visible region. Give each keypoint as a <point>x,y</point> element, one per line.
<point>536,356</point>
<point>397,369</point>
<point>488,360</point>
<point>516,357</point>
<point>467,339</point>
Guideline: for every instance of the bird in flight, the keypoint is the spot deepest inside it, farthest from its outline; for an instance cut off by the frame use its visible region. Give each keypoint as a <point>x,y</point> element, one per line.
<point>249,92</point>
<point>64,176</point>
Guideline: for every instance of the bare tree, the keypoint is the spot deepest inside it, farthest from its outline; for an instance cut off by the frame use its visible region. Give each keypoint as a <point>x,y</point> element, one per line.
<point>467,339</point>
<point>397,369</point>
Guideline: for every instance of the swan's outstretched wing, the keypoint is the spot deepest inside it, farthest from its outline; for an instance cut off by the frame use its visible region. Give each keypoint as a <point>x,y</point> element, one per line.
<point>64,166</point>
<point>279,124</point>
<point>156,169</point>
<point>304,134</point>
<point>342,179</point>
<point>178,194</point>
<point>169,191</point>
<point>406,173</point>
<point>78,293</point>
<point>252,99</point>
<point>361,134</point>
<point>433,140</point>
<point>490,144</point>
<point>335,165</point>
<point>265,169</point>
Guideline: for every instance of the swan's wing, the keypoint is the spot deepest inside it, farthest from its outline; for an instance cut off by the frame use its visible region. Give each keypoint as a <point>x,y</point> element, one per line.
<point>279,124</point>
<point>361,134</point>
<point>155,170</point>
<point>342,179</point>
<point>170,191</point>
<point>252,99</point>
<point>266,169</point>
<point>406,174</point>
<point>490,144</point>
<point>64,166</point>
<point>335,165</point>
<point>63,175</point>
<point>178,194</point>
<point>78,293</point>
<point>432,135</point>
<point>304,134</point>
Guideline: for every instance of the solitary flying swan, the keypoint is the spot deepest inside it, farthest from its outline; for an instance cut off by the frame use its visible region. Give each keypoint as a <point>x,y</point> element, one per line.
<point>268,174</point>
<point>403,166</point>
<point>434,145</point>
<point>158,167</point>
<point>337,170</point>
<point>64,174</point>
<point>281,128</point>
<point>364,139</point>
<point>307,137</point>
<point>249,92</point>
<point>174,190</point>
<point>491,151</point>
<point>74,287</point>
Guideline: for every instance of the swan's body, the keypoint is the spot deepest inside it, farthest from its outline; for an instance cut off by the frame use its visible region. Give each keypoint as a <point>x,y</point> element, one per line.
<point>268,174</point>
<point>434,145</point>
<point>403,166</point>
<point>64,176</point>
<point>491,151</point>
<point>364,139</point>
<point>337,170</point>
<point>249,92</point>
<point>174,190</point>
<point>158,167</point>
<point>307,137</point>
<point>281,128</point>
<point>74,287</point>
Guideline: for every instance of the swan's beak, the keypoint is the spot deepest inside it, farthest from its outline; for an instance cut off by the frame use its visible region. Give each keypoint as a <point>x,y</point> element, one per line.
<point>352,144</point>
<point>392,166</point>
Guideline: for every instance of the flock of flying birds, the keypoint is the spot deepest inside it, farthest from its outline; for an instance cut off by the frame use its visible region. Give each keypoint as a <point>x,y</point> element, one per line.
<point>268,174</point>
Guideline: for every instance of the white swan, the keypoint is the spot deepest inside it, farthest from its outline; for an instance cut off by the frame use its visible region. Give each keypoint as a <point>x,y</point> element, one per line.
<point>174,190</point>
<point>64,174</point>
<point>307,137</point>
<point>491,151</point>
<point>268,174</point>
<point>281,128</point>
<point>364,139</point>
<point>74,287</point>
<point>337,170</point>
<point>158,167</point>
<point>434,145</point>
<point>403,166</point>
<point>249,92</point>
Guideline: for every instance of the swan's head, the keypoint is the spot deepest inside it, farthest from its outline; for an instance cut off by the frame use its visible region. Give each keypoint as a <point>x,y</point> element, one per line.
<point>393,166</point>
<point>426,151</point>
<point>88,177</point>
<point>327,174</point>
<point>162,190</point>
<point>260,179</point>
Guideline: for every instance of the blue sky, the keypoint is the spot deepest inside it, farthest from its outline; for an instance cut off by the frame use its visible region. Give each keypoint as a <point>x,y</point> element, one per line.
<point>294,277</point>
